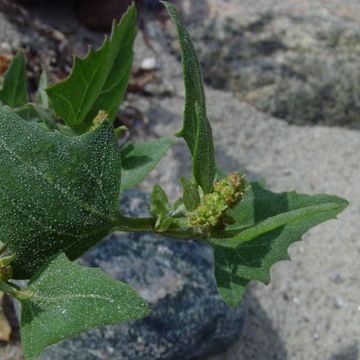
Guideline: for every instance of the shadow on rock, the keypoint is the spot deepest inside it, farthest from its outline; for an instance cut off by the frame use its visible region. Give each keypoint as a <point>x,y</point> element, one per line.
<point>348,353</point>
<point>297,67</point>
<point>259,340</point>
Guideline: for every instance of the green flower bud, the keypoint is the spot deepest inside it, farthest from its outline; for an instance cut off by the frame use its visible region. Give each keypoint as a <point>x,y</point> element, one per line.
<point>227,192</point>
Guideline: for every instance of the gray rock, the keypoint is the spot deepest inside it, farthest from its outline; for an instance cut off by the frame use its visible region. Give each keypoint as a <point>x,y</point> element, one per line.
<point>188,320</point>
<point>100,15</point>
<point>43,45</point>
<point>10,36</point>
<point>296,60</point>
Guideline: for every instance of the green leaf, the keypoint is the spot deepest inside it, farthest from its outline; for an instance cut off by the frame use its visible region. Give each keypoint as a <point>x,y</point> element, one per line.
<point>41,95</point>
<point>270,223</point>
<point>160,208</point>
<point>164,223</point>
<point>66,299</point>
<point>57,193</point>
<point>45,117</point>
<point>99,81</point>
<point>196,128</point>
<point>138,160</point>
<point>14,90</point>
<point>191,196</point>
<point>159,203</point>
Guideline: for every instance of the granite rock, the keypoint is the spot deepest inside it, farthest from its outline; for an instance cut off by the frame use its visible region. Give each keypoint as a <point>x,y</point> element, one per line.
<point>10,36</point>
<point>100,15</point>
<point>189,319</point>
<point>296,60</point>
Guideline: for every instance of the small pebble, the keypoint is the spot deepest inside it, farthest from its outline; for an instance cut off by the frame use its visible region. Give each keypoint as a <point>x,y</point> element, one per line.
<point>286,296</point>
<point>148,64</point>
<point>296,300</point>
<point>339,303</point>
<point>336,277</point>
<point>4,46</point>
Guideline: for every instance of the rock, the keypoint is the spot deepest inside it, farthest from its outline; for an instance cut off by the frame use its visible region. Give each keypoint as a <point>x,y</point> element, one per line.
<point>189,320</point>
<point>43,46</point>
<point>152,4</point>
<point>10,36</point>
<point>148,64</point>
<point>100,15</point>
<point>295,60</point>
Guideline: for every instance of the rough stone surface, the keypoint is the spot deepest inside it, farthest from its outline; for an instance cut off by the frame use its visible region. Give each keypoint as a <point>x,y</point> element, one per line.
<point>105,11</point>
<point>188,320</point>
<point>296,60</point>
<point>10,38</point>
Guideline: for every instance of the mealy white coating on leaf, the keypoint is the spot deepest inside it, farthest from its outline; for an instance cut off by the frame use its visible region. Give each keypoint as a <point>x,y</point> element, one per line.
<point>67,299</point>
<point>56,192</point>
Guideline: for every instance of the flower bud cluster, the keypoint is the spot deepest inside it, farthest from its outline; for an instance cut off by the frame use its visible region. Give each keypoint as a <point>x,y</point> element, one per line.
<point>227,193</point>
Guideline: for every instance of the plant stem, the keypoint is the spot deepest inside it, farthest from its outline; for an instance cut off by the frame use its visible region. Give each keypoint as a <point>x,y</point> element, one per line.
<point>176,230</point>
<point>129,224</point>
<point>10,290</point>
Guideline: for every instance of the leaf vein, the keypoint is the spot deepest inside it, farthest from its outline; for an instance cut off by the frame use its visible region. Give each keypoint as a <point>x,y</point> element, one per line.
<point>57,187</point>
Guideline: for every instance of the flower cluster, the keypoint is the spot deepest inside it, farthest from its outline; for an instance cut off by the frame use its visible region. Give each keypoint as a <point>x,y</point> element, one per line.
<point>226,193</point>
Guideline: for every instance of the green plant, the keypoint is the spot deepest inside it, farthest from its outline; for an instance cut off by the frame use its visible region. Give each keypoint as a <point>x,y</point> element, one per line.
<point>62,172</point>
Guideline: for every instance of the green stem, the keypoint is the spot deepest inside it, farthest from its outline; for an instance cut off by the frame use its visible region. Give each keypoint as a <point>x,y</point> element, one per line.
<point>129,224</point>
<point>176,230</point>
<point>16,293</point>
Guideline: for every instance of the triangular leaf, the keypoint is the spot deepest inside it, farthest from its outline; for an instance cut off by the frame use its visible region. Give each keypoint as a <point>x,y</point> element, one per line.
<point>57,193</point>
<point>14,89</point>
<point>66,299</point>
<point>99,81</point>
<point>196,128</point>
<point>121,55</point>
<point>271,223</point>
<point>138,160</point>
